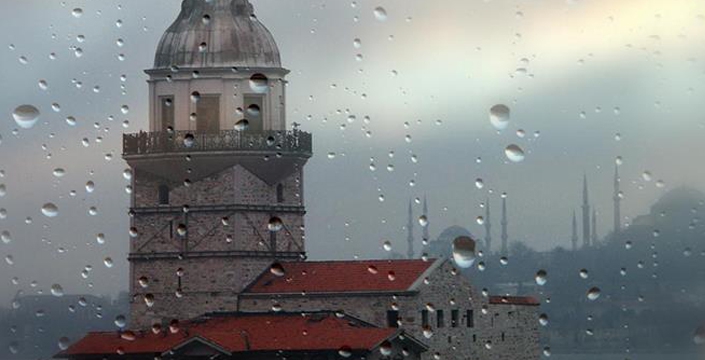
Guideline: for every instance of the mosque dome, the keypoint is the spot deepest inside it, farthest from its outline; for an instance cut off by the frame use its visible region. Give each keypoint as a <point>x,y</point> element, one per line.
<point>217,34</point>
<point>680,199</point>
<point>443,245</point>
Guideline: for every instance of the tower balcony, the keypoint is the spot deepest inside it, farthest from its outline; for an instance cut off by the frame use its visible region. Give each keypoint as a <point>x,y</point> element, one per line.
<point>281,142</point>
<point>270,155</point>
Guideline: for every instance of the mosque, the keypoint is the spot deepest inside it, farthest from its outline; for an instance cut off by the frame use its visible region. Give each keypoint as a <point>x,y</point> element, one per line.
<point>217,257</point>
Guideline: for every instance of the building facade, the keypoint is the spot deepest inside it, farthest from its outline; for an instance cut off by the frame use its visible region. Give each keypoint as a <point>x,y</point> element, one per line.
<point>217,223</point>
<point>218,180</point>
<point>429,299</point>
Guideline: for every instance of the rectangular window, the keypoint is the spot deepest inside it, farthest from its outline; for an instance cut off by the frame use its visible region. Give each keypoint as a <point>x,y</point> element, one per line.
<point>280,193</point>
<point>254,111</point>
<point>454,315</point>
<point>167,112</point>
<point>208,114</point>
<point>470,318</point>
<point>424,318</point>
<point>440,319</point>
<point>392,319</point>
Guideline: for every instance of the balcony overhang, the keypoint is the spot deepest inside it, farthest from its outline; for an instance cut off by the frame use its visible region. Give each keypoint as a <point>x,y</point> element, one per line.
<point>180,155</point>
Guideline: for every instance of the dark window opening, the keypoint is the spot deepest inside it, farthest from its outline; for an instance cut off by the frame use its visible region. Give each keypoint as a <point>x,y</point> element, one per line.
<point>440,319</point>
<point>280,193</point>
<point>392,319</point>
<point>424,318</point>
<point>470,318</point>
<point>163,195</point>
<point>208,114</point>
<point>502,336</point>
<point>474,338</point>
<point>454,315</point>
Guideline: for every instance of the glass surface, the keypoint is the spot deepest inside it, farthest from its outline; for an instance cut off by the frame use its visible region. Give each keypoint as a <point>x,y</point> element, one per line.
<point>545,151</point>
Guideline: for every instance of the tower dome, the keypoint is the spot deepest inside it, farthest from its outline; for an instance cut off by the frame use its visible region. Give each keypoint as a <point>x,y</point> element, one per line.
<point>217,34</point>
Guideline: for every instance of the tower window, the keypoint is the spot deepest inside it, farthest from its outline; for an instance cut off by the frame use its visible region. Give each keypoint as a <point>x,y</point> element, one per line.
<point>208,114</point>
<point>392,319</point>
<point>163,195</point>
<point>454,315</point>
<point>424,318</point>
<point>470,318</point>
<point>167,113</point>
<point>280,193</point>
<point>440,319</point>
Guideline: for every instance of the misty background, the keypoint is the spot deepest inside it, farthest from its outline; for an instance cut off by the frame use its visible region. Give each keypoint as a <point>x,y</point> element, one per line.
<point>595,71</point>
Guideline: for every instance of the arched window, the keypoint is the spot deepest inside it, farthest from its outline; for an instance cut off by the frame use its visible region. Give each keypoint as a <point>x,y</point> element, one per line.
<point>280,193</point>
<point>163,195</point>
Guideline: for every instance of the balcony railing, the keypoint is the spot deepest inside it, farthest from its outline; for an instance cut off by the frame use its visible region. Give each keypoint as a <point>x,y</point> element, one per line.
<point>145,143</point>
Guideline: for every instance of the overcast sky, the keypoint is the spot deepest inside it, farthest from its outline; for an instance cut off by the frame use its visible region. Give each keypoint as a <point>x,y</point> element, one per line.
<point>632,67</point>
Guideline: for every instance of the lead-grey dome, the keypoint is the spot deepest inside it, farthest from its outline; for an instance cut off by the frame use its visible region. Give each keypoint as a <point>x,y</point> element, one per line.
<point>217,33</point>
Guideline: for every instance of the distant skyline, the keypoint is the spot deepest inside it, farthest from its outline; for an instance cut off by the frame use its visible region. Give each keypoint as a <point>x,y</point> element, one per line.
<point>633,68</point>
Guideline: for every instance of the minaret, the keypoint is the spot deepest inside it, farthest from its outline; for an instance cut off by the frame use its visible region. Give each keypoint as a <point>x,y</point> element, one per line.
<point>410,236</point>
<point>616,198</point>
<point>217,185</point>
<point>574,238</point>
<point>426,238</point>
<point>586,214</point>
<point>594,227</point>
<point>488,227</point>
<point>505,246</point>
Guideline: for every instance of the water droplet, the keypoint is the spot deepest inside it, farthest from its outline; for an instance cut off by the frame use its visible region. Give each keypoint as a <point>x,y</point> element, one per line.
<point>64,343</point>
<point>387,246</point>
<point>584,274</point>
<point>5,237</point>
<point>541,277</point>
<point>77,12</point>
<point>259,84</point>
<point>275,224</point>
<point>50,210</point>
<point>120,321</point>
<point>514,153</point>
<point>26,116</point>
<point>543,320</point>
<point>423,220</point>
<point>593,294</point>
<point>108,262</point>
<point>380,13</point>
<point>464,251</point>
<point>57,290</point>
<point>277,269</point>
<point>499,116</point>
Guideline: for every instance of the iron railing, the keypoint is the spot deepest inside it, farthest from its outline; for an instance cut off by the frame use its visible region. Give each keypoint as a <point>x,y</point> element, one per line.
<point>145,143</point>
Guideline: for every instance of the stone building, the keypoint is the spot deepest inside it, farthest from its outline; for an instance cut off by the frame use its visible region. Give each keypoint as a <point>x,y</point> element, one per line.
<point>429,299</point>
<point>217,227</point>
<point>218,179</point>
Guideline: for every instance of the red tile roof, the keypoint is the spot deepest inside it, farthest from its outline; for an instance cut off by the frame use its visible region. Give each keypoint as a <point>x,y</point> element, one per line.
<point>243,332</point>
<point>341,277</point>
<point>514,300</point>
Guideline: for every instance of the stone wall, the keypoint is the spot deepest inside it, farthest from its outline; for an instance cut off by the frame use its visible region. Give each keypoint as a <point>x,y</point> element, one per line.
<point>218,250</point>
<point>439,294</point>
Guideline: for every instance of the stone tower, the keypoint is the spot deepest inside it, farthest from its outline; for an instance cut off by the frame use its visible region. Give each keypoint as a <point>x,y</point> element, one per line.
<point>488,227</point>
<point>504,223</point>
<point>217,186</point>
<point>586,214</point>
<point>574,237</point>
<point>617,199</point>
